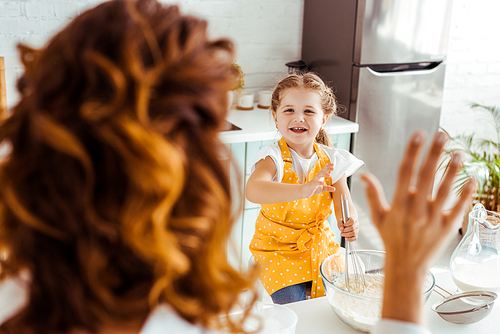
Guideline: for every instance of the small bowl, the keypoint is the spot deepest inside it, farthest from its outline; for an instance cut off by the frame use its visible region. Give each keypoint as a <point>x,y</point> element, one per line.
<point>362,312</point>
<point>271,319</point>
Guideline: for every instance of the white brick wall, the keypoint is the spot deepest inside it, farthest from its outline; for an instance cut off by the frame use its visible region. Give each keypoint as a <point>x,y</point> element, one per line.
<point>32,22</point>
<point>267,34</point>
<point>473,71</point>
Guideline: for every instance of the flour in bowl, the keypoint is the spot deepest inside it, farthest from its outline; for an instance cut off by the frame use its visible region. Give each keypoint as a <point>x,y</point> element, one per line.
<point>359,312</point>
<point>374,285</point>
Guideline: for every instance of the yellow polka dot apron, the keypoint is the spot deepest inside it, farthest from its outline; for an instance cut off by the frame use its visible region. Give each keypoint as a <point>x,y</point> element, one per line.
<point>292,239</point>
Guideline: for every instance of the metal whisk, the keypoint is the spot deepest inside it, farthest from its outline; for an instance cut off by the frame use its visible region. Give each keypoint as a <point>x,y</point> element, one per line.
<point>351,255</point>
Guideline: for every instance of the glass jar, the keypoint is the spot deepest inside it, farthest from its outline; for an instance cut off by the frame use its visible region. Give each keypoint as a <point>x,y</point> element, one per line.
<point>475,263</point>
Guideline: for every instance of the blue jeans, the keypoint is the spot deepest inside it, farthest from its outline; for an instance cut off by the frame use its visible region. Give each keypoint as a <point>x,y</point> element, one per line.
<point>290,294</point>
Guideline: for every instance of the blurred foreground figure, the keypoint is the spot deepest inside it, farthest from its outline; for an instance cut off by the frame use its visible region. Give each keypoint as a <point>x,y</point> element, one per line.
<point>114,197</point>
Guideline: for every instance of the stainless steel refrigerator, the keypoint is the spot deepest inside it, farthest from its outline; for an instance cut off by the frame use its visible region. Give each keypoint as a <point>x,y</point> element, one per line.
<point>386,60</point>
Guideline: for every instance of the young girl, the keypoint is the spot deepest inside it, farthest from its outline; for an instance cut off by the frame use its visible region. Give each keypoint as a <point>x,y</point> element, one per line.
<point>295,181</point>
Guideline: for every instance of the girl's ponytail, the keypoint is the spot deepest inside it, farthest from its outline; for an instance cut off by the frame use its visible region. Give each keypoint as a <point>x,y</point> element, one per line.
<point>322,138</point>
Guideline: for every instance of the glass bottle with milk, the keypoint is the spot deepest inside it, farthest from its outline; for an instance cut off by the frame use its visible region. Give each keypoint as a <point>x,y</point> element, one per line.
<point>475,263</point>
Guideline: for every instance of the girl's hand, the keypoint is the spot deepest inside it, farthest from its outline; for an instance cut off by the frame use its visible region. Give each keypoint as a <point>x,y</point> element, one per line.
<point>349,230</point>
<point>317,185</point>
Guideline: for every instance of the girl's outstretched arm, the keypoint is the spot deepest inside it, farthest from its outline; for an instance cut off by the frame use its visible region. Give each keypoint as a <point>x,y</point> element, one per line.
<point>261,189</point>
<point>349,229</point>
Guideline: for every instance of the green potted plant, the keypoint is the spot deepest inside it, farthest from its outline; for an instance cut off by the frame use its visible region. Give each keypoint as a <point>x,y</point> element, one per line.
<point>482,161</point>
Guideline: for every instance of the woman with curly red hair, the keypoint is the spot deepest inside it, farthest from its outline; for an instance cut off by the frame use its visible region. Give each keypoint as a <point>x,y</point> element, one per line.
<point>115,196</point>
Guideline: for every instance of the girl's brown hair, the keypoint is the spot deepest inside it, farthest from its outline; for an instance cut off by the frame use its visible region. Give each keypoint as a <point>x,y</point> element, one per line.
<point>309,81</point>
<point>115,195</point>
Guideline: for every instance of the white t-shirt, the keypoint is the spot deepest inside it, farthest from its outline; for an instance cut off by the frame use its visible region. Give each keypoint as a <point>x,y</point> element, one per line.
<point>389,326</point>
<point>343,162</point>
<point>164,319</point>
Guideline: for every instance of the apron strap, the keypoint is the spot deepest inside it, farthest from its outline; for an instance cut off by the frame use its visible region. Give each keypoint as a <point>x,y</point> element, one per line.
<point>285,154</point>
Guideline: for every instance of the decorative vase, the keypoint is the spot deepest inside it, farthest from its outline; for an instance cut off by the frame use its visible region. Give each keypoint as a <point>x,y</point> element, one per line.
<point>230,99</point>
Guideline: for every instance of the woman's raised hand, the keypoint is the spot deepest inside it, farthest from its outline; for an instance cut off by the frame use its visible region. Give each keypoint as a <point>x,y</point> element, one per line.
<point>317,185</point>
<point>414,229</point>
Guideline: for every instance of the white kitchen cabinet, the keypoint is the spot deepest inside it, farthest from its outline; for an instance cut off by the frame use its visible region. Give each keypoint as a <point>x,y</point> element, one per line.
<point>234,246</point>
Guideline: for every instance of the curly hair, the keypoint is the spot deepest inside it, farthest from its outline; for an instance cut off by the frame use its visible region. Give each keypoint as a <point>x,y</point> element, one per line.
<point>115,194</point>
<point>308,81</point>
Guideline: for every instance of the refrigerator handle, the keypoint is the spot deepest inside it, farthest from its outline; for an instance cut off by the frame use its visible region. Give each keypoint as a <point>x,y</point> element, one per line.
<point>401,68</point>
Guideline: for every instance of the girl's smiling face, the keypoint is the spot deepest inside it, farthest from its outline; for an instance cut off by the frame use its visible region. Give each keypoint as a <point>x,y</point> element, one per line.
<point>299,118</point>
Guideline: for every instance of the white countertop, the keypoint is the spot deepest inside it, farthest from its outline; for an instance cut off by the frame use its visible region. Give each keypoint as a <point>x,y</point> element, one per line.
<point>316,316</point>
<point>257,125</point>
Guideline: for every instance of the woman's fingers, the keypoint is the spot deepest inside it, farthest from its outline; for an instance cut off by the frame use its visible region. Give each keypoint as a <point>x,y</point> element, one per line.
<point>375,195</point>
<point>465,197</point>
<point>407,168</point>
<point>447,183</point>
<point>427,172</point>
